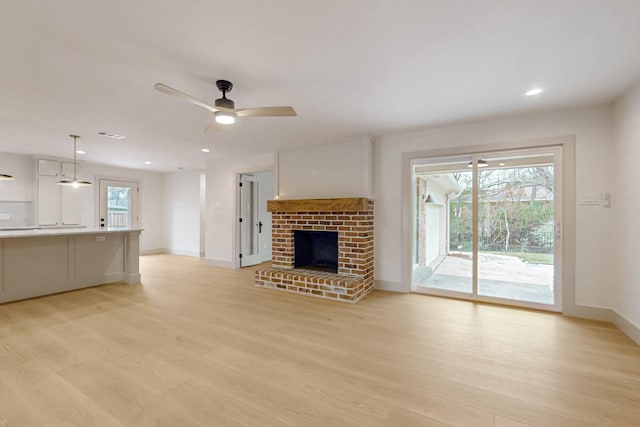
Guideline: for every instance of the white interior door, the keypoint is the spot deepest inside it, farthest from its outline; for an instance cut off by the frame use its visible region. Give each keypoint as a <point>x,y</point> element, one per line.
<point>249,222</point>
<point>118,204</point>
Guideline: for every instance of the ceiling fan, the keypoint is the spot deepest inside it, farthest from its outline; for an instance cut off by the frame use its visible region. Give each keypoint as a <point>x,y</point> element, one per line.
<point>223,108</point>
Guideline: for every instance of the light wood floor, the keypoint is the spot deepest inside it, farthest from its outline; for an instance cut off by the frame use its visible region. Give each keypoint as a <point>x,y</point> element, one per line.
<point>199,345</point>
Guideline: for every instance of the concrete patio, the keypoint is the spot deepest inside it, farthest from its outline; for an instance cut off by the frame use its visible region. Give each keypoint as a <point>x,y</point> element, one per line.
<point>500,276</point>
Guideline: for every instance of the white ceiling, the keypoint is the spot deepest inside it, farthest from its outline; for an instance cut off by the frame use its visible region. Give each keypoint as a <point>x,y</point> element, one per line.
<point>348,67</point>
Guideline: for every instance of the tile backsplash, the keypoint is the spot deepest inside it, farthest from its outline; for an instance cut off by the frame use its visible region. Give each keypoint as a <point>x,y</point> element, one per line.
<point>16,214</point>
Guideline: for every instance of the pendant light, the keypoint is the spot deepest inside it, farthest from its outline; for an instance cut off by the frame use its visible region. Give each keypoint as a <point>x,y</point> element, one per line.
<point>5,177</point>
<point>75,183</point>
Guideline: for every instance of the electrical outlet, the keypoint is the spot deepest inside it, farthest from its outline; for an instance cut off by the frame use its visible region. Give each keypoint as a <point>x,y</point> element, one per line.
<point>605,199</point>
<point>100,238</point>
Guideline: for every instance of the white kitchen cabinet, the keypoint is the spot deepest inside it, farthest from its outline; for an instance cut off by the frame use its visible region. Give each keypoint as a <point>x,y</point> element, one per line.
<point>48,200</point>
<point>67,170</point>
<point>48,167</point>
<point>57,204</point>
<point>70,205</point>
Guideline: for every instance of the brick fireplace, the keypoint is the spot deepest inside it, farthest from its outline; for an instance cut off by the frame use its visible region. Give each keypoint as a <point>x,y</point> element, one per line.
<point>311,219</point>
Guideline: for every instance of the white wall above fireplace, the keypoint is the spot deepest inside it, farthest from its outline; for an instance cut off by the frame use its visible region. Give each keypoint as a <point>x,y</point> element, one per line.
<point>327,171</point>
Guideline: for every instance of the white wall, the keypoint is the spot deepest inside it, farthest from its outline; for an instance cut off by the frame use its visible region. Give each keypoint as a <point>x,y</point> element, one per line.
<point>182,210</point>
<point>222,227</point>
<point>334,170</point>
<point>625,205</point>
<point>592,130</point>
<point>20,167</point>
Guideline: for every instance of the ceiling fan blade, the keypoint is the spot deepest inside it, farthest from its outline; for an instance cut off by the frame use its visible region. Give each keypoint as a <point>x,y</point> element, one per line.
<point>183,96</point>
<point>266,112</point>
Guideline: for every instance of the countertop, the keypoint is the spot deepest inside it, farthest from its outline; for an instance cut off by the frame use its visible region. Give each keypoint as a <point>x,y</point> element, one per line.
<point>58,231</point>
<point>38,227</point>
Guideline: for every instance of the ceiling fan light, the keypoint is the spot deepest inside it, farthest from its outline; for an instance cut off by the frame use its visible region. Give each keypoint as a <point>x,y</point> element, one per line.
<point>481,164</point>
<point>5,177</point>
<point>225,118</point>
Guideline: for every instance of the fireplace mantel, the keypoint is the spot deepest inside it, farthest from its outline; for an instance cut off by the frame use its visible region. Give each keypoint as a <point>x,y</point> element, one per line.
<point>349,204</point>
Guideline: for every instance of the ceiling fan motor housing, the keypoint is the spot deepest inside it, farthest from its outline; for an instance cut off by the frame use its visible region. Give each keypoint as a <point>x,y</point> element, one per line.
<point>224,102</point>
<point>224,86</point>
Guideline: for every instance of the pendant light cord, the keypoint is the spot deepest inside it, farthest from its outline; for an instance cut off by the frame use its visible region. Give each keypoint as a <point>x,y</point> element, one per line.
<point>75,137</point>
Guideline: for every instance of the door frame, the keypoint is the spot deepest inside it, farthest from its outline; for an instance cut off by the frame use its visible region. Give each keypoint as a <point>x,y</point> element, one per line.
<point>97,180</point>
<point>556,151</point>
<point>567,299</point>
<point>248,260</point>
<point>237,203</point>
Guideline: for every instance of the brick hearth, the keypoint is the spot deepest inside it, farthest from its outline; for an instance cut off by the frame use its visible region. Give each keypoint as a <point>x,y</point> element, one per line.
<point>352,218</point>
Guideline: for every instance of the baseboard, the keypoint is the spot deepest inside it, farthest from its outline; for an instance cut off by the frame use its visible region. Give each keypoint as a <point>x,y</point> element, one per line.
<point>627,326</point>
<point>388,285</point>
<point>218,263</point>
<point>589,312</point>
<point>113,277</point>
<point>132,278</point>
<point>154,251</point>
<point>195,254</point>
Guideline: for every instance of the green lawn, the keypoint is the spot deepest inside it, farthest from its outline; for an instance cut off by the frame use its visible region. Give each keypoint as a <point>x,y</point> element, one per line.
<point>527,257</point>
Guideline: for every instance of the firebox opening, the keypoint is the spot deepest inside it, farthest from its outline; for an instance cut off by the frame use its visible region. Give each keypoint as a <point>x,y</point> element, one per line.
<point>316,250</point>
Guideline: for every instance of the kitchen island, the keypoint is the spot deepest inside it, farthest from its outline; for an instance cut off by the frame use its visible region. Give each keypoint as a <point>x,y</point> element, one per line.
<point>39,262</point>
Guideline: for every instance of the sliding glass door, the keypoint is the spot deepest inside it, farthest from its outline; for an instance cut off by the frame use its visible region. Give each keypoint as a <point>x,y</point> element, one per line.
<point>486,227</point>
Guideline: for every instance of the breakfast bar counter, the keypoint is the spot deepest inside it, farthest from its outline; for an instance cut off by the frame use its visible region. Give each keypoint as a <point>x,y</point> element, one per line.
<point>36,262</point>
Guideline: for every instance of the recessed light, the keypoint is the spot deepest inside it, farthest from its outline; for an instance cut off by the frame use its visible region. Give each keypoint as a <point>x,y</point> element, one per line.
<point>147,162</point>
<point>536,91</point>
<point>80,152</point>
<point>111,135</point>
<point>502,164</point>
<point>205,150</point>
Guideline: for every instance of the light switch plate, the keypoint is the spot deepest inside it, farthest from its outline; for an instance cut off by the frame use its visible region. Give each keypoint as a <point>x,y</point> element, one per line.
<point>590,199</point>
<point>5,216</point>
